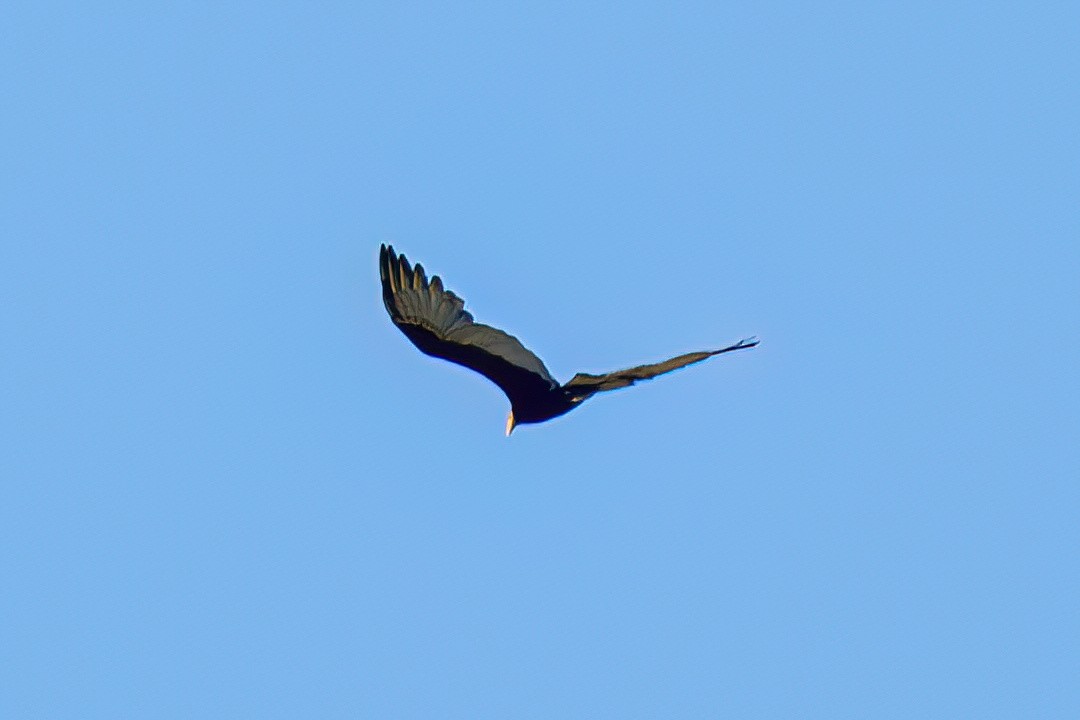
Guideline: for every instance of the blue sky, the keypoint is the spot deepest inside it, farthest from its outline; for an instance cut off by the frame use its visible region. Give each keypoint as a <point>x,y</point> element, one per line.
<point>232,489</point>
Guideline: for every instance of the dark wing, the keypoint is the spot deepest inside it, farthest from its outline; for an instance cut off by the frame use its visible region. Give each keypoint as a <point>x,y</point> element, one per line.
<point>584,382</point>
<point>435,320</point>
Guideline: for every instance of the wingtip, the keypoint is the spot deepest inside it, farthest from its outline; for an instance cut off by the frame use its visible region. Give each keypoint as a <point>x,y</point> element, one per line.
<point>744,344</point>
<point>390,269</point>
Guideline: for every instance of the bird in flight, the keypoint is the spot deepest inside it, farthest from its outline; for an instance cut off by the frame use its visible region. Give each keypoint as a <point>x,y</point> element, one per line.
<point>435,320</point>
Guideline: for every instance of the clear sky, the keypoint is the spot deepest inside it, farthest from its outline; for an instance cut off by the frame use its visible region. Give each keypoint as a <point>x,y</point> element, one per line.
<point>232,489</point>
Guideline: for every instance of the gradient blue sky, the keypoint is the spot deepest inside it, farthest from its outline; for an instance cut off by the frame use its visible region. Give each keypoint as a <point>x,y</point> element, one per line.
<point>232,489</point>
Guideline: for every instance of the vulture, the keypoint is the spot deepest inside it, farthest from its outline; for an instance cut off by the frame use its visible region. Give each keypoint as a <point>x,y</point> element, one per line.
<point>436,322</point>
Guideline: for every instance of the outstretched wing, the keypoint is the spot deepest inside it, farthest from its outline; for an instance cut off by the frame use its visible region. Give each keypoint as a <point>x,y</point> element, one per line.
<point>435,320</point>
<point>585,383</point>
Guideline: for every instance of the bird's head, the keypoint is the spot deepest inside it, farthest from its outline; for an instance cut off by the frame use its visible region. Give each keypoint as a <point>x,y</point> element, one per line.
<point>510,423</point>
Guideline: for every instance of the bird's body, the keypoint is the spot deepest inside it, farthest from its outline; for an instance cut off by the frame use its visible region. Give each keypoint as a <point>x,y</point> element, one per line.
<point>435,320</point>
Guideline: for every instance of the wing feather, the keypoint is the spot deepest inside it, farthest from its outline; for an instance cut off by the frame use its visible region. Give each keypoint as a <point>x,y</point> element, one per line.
<point>586,383</point>
<point>435,320</point>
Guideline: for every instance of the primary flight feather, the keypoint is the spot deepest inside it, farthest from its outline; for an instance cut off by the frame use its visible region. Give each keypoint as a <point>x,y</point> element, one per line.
<point>435,320</point>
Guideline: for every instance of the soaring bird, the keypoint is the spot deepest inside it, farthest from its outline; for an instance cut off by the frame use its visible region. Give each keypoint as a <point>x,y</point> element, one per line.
<point>435,320</point>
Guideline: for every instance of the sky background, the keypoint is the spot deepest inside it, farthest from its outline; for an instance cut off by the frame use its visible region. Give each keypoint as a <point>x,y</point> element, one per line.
<point>231,488</point>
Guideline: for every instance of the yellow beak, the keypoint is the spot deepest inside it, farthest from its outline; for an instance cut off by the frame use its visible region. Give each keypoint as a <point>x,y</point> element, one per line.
<point>510,423</point>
